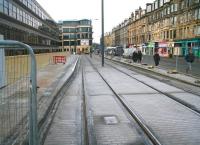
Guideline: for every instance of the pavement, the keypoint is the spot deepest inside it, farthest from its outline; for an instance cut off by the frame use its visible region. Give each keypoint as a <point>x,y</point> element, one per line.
<point>186,78</point>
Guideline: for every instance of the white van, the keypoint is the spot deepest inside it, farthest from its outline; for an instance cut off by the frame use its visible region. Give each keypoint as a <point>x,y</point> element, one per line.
<point>128,52</point>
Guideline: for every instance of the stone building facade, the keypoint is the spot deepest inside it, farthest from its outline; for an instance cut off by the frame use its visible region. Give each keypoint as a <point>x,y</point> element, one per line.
<point>171,27</point>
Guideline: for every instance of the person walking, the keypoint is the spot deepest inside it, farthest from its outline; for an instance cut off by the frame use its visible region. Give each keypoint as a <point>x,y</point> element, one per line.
<point>156,57</point>
<point>139,56</point>
<point>135,56</point>
<point>189,59</point>
<point>91,51</point>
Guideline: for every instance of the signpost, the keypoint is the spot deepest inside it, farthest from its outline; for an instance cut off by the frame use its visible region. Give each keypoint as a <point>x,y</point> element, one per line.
<point>102,35</point>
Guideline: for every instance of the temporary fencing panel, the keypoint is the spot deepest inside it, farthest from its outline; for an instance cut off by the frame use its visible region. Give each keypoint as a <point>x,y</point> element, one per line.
<point>18,101</point>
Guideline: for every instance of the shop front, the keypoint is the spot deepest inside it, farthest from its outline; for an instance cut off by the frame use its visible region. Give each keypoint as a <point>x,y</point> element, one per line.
<point>163,49</point>
<point>144,48</point>
<point>150,49</point>
<point>182,47</point>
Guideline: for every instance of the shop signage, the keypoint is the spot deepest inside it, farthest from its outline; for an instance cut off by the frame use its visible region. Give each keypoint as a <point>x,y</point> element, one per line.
<point>84,42</point>
<point>162,44</point>
<point>151,44</point>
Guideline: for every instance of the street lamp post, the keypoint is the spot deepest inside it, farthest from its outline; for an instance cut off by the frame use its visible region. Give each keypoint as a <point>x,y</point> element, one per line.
<point>102,35</point>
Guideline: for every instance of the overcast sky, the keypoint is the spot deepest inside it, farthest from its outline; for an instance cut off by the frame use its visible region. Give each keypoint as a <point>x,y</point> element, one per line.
<point>115,11</point>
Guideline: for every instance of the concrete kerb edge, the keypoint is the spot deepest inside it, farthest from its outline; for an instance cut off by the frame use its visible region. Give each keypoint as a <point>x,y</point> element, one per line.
<point>42,131</point>
<point>151,70</point>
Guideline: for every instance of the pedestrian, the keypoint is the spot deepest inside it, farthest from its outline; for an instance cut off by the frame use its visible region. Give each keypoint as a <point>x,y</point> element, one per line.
<point>135,56</point>
<point>139,56</point>
<point>91,51</point>
<point>189,59</point>
<point>156,57</point>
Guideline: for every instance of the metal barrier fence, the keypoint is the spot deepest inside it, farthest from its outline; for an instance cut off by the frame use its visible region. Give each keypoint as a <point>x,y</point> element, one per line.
<point>18,99</point>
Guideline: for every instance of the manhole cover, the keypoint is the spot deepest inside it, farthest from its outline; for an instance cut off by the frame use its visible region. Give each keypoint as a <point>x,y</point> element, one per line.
<point>109,120</point>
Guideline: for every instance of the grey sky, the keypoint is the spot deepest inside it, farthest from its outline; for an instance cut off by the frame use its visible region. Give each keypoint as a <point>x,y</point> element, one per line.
<point>115,11</point>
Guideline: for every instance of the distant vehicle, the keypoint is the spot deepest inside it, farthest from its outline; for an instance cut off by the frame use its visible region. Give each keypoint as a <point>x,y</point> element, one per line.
<point>128,52</point>
<point>86,50</point>
<point>110,50</point>
<point>118,51</point>
<point>97,51</point>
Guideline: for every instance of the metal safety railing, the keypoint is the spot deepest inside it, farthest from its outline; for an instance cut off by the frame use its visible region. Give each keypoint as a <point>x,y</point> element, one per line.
<point>18,98</point>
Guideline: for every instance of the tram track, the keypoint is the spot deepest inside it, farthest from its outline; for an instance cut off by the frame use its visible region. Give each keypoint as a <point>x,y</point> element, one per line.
<point>88,137</point>
<point>130,110</point>
<point>187,105</point>
<point>163,78</point>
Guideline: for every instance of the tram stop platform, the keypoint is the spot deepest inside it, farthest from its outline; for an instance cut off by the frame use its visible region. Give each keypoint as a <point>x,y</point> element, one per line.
<point>185,78</point>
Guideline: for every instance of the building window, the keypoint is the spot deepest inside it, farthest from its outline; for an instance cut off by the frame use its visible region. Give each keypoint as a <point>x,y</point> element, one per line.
<point>10,9</point>
<point>72,36</point>
<point>161,3</point>
<point>165,1</point>
<point>73,30</point>
<point>174,34</point>
<point>197,14</point>
<point>167,34</point>
<point>197,30</point>
<point>20,15</point>
<point>72,43</point>
<point>78,36</point>
<point>175,7</point>
<point>90,42</point>
<point>5,7</point>
<point>168,10</point>
<point>24,17</point>
<point>66,43</point>
<point>29,4</point>
<point>170,34</point>
<point>25,2</point>
<point>14,13</point>
<point>172,8</point>
<point>66,30</point>
<point>1,6</point>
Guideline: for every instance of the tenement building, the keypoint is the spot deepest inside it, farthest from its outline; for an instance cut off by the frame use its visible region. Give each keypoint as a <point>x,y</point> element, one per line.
<point>171,27</point>
<point>76,35</point>
<point>107,40</point>
<point>26,21</point>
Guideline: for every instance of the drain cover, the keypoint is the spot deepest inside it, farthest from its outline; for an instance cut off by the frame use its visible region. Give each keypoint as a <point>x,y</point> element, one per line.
<point>109,120</point>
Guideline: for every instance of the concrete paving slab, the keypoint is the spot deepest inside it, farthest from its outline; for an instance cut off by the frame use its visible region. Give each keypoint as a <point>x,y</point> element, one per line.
<point>191,99</point>
<point>170,122</point>
<point>158,85</point>
<point>122,132</point>
<point>95,86</point>
<point>122,83</point>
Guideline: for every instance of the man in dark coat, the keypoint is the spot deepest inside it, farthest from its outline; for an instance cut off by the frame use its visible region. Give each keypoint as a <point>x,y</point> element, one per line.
<point>189,59</point>
<point>139,56</point>
<point>135,56</point>
<point>156,58</point>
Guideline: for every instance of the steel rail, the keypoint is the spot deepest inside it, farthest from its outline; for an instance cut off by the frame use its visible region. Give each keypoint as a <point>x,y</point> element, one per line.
<point>185,104</point>
<point>89,136</point>
<point>153,72</point>
<point>130,110</point>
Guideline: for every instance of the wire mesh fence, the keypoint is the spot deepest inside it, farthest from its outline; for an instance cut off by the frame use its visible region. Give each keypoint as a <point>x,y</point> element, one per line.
<point>18,115</point>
